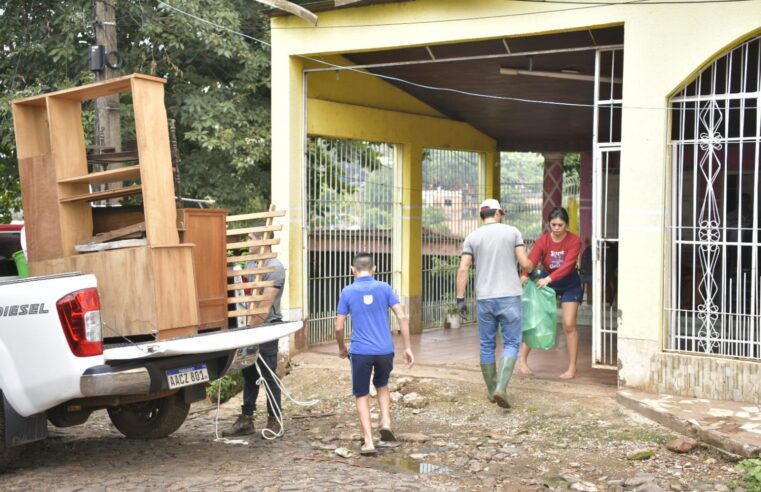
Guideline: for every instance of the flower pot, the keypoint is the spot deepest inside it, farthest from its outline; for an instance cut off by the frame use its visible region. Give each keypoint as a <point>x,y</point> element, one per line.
<point>453,320</point>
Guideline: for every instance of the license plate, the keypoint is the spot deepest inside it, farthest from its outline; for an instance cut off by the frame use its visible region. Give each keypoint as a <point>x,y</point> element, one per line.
<point>186,376</point>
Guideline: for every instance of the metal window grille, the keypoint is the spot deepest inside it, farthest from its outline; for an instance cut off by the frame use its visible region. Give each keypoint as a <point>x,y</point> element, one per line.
<point>608,95</point>
<point>521,192</point>
<point>714,305</point>
<point>451,194</point>
<point>352,206</point>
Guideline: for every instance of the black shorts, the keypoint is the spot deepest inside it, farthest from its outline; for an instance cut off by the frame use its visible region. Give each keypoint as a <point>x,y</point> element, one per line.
<point>362,366</point>
<point>568,289</point>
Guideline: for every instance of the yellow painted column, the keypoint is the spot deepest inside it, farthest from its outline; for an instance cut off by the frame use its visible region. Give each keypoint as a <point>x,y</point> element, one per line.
<point>288,181</point>
<point>412,237</point>
<point>491,175</point>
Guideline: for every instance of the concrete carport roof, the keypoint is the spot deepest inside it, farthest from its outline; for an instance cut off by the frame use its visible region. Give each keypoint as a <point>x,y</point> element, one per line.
<point>555,67</point>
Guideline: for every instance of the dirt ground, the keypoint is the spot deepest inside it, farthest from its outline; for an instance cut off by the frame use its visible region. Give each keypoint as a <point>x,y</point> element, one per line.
<point>558,436</point>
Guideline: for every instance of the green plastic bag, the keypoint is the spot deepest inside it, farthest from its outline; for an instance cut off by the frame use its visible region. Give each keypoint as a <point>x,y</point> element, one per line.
<point>540,316</point>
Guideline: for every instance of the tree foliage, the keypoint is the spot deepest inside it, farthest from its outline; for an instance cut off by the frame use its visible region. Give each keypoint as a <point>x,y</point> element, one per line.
<point>218,84</point>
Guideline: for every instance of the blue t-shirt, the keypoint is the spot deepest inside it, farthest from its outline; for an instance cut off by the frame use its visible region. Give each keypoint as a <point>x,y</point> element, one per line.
<point>368,300</point>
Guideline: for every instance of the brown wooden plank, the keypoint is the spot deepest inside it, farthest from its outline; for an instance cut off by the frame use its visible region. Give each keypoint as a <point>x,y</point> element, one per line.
<point>247,312</point>
<point>113,157</point>
<point>41,214</point>
<point>250,230</point>
<point>251,285</point>
<point>236,300</point>
<point>254,257</point>
<point>67,146</point>
<point>31,130</point>
<point>152,135</point>
<point>104,195</point>
<point>118,272</point>
<point>174,287</point>
<point>92,91</point>
<point>257,215</point>
<point>106,219</point>
<point>113,175</point>
<point>250,271</point>
<point>252,244</point>
<point>121,232</point>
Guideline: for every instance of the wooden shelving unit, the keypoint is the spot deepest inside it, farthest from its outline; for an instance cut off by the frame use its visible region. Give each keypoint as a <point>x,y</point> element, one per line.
<point>147,289</point>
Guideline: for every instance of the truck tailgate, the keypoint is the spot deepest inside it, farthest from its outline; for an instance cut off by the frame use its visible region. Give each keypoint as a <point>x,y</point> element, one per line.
<point>204,343</point>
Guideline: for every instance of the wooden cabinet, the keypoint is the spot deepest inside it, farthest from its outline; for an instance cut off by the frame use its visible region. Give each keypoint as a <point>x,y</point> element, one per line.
<point>148,289</point>
<point>206,230</point>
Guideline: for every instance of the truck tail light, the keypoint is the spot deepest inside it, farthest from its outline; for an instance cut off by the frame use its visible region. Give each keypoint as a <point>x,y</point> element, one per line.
<point>80,318</point>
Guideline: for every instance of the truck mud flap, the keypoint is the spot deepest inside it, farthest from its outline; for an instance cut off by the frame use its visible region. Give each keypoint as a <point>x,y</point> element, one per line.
<point>21,430</point>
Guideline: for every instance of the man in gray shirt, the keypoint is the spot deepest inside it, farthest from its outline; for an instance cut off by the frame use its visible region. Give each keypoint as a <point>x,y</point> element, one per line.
<point>245,422</point>
<point>495,249</point>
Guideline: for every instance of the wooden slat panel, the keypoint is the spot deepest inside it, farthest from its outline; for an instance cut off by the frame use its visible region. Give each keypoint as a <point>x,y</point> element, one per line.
<point>255,257</point>
<point>257,215</point>
<point>104,195</point>
<point>251,285</point>
<point>120,174</point>
<point>236,300</point>
<point>153,147</point>
<point>252,244</point>
<point>250,271</point>
<point>247,312</point>
<point>249,230</point>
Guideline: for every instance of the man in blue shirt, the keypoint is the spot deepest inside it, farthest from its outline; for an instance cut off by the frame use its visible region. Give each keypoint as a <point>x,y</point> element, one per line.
<point>372,350</point>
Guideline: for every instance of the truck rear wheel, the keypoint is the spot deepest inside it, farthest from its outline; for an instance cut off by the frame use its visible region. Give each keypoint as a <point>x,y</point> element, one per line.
<point>5,453</point>
<point>151,419</point>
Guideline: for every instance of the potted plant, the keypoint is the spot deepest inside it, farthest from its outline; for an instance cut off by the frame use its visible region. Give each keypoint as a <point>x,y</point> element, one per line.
<point>453,319</point>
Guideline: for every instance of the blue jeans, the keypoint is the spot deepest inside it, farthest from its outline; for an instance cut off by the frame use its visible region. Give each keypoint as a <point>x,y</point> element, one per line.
<point>505,311</point>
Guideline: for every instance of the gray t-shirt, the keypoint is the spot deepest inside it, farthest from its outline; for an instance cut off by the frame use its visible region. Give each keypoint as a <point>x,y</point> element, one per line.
<point>493,249</point>
<point>278,277</point>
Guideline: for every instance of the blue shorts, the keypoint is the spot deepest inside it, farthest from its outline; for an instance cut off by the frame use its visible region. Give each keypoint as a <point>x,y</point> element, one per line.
<point>568,289</point>
<point>362,366</point>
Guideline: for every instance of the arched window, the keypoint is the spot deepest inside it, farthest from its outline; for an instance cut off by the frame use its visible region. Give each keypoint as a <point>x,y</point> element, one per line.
<point>714,305</point>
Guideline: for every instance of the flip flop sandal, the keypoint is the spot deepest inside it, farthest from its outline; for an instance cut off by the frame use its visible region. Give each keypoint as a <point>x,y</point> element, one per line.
<point>387,435</point>
<point>368,451</point>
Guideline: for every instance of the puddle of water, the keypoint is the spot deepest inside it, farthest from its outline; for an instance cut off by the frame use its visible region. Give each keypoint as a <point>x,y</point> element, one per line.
<point>408,465</point>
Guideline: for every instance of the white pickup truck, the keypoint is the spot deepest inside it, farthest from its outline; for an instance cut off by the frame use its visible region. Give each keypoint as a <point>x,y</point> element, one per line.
<point>54,366</point>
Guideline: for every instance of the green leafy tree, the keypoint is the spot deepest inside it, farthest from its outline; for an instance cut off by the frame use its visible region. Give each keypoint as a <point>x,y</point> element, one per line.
<point>218,84</point>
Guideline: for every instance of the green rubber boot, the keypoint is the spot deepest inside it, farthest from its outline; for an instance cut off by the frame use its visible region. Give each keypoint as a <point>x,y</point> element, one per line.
<point>489,372</point>
<point>503,377</point>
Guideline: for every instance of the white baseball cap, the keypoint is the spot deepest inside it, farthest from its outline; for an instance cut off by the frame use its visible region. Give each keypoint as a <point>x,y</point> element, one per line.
<point>491,204</point>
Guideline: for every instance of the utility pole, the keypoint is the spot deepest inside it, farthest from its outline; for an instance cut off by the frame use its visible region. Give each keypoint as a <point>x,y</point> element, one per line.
<point>107,124</point>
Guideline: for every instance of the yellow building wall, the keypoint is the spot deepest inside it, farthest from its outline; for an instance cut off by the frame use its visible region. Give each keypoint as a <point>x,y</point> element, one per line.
<point>665,45</point>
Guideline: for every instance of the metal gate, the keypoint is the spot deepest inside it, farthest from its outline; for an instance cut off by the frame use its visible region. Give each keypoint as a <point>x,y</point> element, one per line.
<point>605,205</point>
<point>452,190</point>
<point>714,304</point>
<point>353,205</point>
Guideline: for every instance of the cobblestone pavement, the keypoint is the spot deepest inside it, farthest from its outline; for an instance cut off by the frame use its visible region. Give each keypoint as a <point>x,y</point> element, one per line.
<point>559,436</point>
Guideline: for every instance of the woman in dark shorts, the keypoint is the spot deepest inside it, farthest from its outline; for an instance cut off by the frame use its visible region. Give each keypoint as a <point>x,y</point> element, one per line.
<point>558,251</point>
